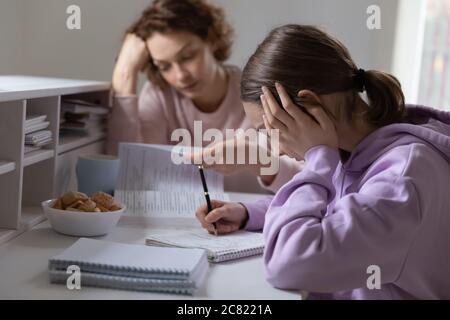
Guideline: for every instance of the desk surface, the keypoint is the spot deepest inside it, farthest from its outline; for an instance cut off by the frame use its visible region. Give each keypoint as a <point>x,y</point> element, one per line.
<point>24,262</point>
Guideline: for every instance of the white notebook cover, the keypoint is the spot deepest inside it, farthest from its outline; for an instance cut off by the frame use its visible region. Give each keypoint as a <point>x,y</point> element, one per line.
<point>220,248</point>
<point>131,260</point>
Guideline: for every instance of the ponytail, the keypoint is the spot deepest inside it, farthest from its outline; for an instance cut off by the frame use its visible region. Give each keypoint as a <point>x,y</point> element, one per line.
<point>386,99</point>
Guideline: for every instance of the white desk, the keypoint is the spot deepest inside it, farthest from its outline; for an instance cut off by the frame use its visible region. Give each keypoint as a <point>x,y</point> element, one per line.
<point>23,270</point>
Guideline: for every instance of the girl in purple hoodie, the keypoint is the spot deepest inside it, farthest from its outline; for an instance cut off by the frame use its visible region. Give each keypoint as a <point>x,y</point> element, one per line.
<point>369,215</point>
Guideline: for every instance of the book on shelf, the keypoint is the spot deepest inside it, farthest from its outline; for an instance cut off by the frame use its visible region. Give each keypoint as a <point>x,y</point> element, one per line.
<point>157,190</point>
<point>131,266</point>
<point>39,138</point>
<point>35,134</point>
<point>83,118</point>
<point>36,126</point>
<point>82,106</point>
<point>81,128</point>
<point>32,119</point>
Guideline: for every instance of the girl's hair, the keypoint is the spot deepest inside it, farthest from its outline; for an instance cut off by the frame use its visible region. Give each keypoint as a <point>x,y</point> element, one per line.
<point>195,16</point>
<point>304,57</point>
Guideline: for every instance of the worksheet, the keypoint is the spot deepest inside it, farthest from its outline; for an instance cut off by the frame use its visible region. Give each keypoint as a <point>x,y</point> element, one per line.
<point>151,185</point>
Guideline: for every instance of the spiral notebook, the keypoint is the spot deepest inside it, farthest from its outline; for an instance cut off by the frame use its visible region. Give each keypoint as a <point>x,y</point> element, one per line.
<point>131,266</point>
<point>219,248</point>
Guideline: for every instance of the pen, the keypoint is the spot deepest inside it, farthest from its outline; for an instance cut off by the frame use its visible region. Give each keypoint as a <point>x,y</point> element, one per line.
<point>205,190</point>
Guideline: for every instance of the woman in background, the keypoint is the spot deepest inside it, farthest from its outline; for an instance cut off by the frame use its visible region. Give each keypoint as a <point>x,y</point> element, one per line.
<point>182,46</point>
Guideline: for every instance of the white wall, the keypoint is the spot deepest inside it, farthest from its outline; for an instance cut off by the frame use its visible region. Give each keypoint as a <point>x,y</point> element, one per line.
<point>11,35</point>
<point>39,43</point>
<point>345,19</point>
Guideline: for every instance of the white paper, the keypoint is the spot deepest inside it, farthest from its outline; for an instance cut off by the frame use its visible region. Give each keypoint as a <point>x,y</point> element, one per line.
<point>151,185</point>
<point>164,204</point>
<point>200,238</point>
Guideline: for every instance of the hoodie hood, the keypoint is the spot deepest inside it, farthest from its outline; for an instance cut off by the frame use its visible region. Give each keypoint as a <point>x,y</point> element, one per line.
<point>422,125</point>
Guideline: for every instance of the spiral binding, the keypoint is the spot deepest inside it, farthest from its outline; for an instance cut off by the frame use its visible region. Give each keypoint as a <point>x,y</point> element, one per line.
<point>125,283</point>
<point>167,273</point>
<point>230,255</point>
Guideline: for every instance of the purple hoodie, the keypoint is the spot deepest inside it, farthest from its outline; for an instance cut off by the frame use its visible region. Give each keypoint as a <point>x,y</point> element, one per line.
<point>388,205</point>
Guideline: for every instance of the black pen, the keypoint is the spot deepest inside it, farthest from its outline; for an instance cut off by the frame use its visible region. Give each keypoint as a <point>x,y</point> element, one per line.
<point>205,190</point>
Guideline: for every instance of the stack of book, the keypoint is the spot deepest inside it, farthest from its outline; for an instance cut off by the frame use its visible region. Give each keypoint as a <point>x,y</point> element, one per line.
<point>35,134</point>
<point>130,267</point>
<point>82,117</point>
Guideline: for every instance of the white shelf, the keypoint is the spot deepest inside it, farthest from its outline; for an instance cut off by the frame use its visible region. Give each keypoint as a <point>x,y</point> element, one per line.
<point>6,167</point>
<point>31,216</point>
<point>16,87</point>
<point>8,234</point>
<point>37,156</point>
<point>67,143</point>
<point>27,179</point>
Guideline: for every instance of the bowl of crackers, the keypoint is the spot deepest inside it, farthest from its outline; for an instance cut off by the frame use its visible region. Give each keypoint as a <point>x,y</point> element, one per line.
<point>76,214</point>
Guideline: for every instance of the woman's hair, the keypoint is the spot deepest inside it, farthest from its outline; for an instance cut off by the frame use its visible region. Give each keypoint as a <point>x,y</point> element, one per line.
<point>195,16</point>
<point>304,57</point>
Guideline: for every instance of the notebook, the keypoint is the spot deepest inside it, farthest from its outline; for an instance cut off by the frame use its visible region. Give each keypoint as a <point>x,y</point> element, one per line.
<point>36,127</point>
<point>32,119</point>
<point>219,248</point>
<point>131,266</point>
<point>82,106</point>
<point>157,190</point>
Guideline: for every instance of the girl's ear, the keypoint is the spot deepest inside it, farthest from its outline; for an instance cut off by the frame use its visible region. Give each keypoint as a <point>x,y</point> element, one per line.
<point>308,97</point>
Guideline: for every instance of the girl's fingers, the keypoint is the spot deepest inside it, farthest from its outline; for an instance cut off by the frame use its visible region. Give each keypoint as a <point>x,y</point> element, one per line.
<point>322,118</point>
<point>276,110</point>
<point>285,99</point>
<point>226,228</point>
<point>291,108</point>
<point>273,122</point>
<point>267,125</point>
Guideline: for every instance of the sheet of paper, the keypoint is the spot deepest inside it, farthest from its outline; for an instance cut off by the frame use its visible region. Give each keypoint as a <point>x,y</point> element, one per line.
<point>163,204</point>
<point>200,238</point>
<point>150,184</point>
<point>150,167</point>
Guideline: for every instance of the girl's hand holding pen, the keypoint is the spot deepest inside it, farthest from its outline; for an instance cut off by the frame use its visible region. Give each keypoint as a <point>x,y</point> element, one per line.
<point>228,216</point>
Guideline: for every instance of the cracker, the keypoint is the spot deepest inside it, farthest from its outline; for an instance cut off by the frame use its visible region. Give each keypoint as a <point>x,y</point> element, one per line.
<point>74,209</point>
<point>71,197</point>
<point>103,199</point>
<point>58,204</point>
<point>87,206</point>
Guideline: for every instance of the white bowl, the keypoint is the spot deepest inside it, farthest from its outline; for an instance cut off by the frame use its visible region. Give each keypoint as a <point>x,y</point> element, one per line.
<point>81,224</point>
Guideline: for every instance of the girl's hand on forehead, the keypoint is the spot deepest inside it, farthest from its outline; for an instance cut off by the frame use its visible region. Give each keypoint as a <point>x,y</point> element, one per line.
<point>299,131</point>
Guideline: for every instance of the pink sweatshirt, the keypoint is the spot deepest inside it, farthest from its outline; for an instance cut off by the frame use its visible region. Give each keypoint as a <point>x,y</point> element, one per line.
<point>156,113</point>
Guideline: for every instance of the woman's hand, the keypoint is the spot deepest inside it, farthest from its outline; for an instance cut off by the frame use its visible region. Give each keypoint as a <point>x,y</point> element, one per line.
<point>237,145</point>
<point>228,216</point>
<point>132,58</point>
<point>299,131</point>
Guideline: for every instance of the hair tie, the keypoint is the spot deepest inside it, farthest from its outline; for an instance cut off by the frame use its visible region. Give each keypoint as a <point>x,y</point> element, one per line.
<point>360,80</point>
